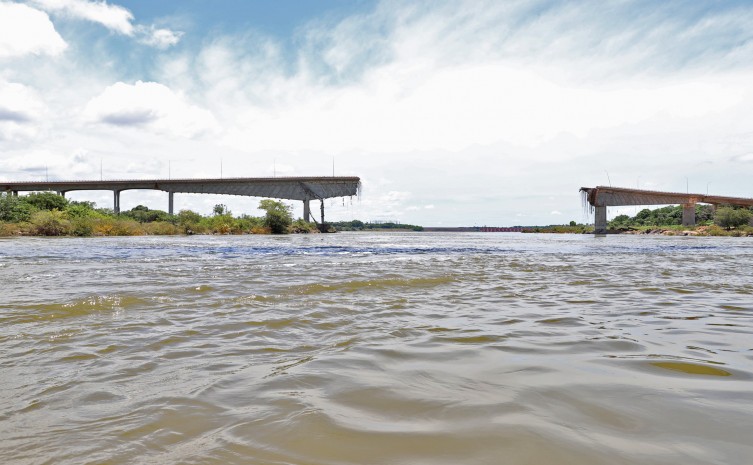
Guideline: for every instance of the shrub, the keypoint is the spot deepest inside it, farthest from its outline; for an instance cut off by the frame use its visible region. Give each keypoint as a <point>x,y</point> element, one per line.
<point>300,226</point>
<point>162,228</point>
<point>7,229</point>
<point>50,223</point>
<point>220,224</point>
<point>82,226</point>
<point>729,218</point>
<point>245,224</point>
<point>128,227</point>
<point>117,227</point>
<point>142,214</point>
<point>81,210</point>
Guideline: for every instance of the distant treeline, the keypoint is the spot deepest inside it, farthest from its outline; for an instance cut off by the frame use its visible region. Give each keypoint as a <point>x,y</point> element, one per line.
<point>357,225</point>
<point>49,214</point>
<point>722,221</point>
<point>727,217</point>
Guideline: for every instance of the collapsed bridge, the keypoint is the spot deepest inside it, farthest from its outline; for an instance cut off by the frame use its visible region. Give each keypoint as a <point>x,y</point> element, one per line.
<point>601,197</point>
<point>304,189</point>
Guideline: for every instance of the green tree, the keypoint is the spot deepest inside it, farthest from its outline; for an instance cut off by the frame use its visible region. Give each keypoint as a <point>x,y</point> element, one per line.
<point>619,221</point>
<point>81,210</point>
<point>190,221</point>
<point>220,209</point>
<point>279,216</point>
<point>46,201</point>
<point>14,209</point>
<point>188,216</point>
<point>143,214</point>
<point>729,218</point>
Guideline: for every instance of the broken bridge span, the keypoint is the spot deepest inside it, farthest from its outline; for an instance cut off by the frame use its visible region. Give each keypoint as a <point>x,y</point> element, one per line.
<point>601,197</point>
<point>304,189</point>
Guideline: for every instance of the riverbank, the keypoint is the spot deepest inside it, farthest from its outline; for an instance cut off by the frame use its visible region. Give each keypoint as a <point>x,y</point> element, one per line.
<point>669,230</point>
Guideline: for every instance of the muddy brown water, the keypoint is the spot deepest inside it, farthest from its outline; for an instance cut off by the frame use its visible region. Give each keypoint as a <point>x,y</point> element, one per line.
<point>377,348</point>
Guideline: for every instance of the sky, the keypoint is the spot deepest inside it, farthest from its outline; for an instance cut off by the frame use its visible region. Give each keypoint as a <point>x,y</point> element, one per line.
<point>453,113</point>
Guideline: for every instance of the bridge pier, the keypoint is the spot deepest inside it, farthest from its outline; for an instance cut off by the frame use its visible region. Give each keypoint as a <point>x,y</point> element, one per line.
<point>306,211</point>
<point>116,202</point>
<point>170,203</point>
<point>600,220</point>
<point>688,214</point>
<point>322,207</point>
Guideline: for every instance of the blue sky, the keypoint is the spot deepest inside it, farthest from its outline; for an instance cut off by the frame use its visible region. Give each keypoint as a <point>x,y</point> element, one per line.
<point>452,112</point>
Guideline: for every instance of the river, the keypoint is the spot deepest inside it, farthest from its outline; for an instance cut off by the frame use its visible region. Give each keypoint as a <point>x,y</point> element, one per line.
<point>377,348</point>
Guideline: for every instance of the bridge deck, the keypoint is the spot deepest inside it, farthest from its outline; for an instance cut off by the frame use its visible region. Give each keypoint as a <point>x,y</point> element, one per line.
<point>292,188</point>
<point>604,196</point>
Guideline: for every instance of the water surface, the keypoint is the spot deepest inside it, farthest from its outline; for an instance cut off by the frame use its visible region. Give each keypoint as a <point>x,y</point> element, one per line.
<point>383,348</point>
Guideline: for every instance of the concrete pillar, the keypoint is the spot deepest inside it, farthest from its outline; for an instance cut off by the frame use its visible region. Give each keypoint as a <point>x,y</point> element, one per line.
<point>116,202</point>
<point>170,203</point>
<point>600,220</point>
<point>322,207</point>
<point>61,194</point>
<point>15,193</point>
<point>688,214</point>
<point>306,211</point>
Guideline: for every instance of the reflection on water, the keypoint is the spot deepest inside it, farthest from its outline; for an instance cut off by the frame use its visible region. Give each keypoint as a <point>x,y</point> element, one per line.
<point>412,348</point>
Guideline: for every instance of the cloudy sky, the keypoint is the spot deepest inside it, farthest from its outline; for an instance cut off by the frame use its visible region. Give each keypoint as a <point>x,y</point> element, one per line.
<point>452,113</point>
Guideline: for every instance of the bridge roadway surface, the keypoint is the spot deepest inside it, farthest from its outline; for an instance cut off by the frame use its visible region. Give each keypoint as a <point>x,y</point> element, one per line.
<point>304,189</point>
<point>601,197</point>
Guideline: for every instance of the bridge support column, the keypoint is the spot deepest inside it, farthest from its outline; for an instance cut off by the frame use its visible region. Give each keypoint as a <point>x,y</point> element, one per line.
<point>322,208</point>
<point>170,203</point>
<point>116,202</point>
<point>600,220</point>
<point>306,211</point>
<point>688,214</point>
<point>15,193</point>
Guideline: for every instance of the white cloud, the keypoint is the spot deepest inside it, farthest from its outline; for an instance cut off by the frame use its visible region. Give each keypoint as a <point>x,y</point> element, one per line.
<point>555,212</point>
<point>437,83</point>
<point>747,158</point>
<point>20,107</point>
<point>159,38</point>
<point>113,17</point>
<point>151,106</point>
<point>41,164</point>
<point>25,31</point>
